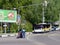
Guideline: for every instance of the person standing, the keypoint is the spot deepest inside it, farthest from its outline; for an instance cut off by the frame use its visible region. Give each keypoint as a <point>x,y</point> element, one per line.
<point>23,33</point>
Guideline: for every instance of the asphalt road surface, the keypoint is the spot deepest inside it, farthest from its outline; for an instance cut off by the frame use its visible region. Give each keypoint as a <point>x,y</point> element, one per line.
<point>52,38</point>
<point>14,41</point>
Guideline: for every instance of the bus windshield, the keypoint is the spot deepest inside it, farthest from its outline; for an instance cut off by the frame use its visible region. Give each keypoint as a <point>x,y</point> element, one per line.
<point>38,26</point>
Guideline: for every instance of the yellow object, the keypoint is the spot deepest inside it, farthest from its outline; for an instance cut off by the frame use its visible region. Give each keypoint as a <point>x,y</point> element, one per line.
<point>47,29</point>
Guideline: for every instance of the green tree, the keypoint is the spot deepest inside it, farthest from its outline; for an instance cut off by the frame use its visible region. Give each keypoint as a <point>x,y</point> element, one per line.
<point>52,12</point>
<point>33,14</point>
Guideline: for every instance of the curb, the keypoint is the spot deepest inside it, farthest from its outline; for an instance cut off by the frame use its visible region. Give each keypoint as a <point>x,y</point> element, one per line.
<point>8,35</point>
<point>12,35</point>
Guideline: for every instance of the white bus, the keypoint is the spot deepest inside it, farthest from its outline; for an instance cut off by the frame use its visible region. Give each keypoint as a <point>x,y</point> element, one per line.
<point>43,27</point>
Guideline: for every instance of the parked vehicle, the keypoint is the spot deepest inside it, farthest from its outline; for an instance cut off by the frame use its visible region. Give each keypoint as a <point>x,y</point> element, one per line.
<point>55,27</point>
<point>58,28</point>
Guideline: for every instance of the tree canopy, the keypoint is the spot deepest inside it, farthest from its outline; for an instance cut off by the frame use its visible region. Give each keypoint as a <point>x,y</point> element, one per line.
<point>31,10</point>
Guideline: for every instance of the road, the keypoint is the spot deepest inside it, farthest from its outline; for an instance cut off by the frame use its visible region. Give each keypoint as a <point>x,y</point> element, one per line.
<point>14,41</point>
<point>52,38</point>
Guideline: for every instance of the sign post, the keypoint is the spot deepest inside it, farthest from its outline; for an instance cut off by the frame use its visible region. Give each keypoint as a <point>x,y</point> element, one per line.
<point>5,25</point>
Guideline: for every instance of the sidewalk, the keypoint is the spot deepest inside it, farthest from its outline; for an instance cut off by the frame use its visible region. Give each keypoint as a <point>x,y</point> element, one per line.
<point>12,34</point>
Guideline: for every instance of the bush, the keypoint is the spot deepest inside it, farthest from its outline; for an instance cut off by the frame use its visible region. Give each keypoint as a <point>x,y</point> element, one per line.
<point>14,28</point>
<point>27,26</point>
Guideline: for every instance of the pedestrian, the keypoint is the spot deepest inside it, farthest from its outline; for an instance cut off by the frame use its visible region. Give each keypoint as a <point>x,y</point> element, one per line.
<point>23,33</point>
<point>19,34</point>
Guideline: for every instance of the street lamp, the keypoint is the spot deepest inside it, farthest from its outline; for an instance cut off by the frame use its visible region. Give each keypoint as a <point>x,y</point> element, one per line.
<point>44,5</point>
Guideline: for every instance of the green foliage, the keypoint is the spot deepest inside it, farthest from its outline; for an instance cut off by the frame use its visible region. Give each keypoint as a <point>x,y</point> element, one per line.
<point>28,27</point>
<point>14,28</point>
<point>52,11</point>
<point>33,14</point>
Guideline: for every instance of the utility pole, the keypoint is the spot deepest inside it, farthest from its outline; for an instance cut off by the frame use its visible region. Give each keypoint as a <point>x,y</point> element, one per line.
<point>44,5</point>
<point>43,15</point>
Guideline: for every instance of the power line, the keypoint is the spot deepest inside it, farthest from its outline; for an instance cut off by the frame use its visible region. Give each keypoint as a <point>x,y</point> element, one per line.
<point>30,5</point>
